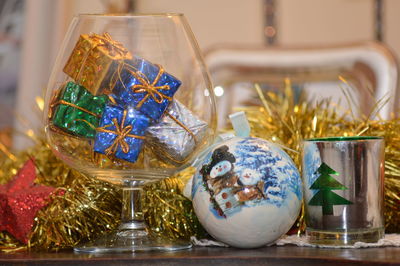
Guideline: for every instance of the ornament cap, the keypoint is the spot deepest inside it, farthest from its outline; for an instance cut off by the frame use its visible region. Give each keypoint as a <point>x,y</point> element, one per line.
<point>240,124</point>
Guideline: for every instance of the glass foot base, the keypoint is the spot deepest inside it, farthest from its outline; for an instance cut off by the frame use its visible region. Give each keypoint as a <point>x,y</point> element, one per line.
<point>131,241</point>
<point>344,238</point>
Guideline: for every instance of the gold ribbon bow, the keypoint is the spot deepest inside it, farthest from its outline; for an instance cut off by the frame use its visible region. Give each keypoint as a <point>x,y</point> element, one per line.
<point>121,132</point>
<point>114,47</point>
<point>148,87</point>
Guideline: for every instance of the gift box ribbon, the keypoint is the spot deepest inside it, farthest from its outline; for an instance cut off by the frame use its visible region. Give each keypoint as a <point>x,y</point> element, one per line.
<point>145,86</point>
<point>53,103</point>
<point>120,130</point>
<point>183,126</point>
<point>112,46</point>
<point>186,129</point>
<point>56,103</point>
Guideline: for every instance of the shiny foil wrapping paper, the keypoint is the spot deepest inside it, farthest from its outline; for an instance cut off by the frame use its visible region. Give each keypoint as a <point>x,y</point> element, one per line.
<point>94,60</point>
<point>121,133</point>
<point>176,135</point>
<point>145,86</point>
<point>77,111</point>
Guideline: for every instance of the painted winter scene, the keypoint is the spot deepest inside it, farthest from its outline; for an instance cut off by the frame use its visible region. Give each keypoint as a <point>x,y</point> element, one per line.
<point>246,173</point>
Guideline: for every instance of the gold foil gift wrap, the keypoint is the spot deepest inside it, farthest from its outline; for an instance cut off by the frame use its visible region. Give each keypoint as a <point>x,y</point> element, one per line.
<point>94,60</point>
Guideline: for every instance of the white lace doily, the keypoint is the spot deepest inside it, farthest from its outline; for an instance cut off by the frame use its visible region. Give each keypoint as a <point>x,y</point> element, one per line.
<point>390,240</point>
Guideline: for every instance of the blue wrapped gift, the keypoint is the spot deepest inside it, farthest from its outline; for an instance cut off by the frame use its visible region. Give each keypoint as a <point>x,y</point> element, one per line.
<point>145,86</point>
<point>114,100</point>
<point>121,133</point>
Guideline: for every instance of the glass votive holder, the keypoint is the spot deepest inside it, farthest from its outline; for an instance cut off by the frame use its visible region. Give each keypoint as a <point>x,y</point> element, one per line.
<point>343,189</point>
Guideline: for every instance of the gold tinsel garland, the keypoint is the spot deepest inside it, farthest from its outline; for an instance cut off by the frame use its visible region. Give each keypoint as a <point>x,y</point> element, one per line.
<point>287,123</point>
<point>167,212</point>
<point>88,207</point>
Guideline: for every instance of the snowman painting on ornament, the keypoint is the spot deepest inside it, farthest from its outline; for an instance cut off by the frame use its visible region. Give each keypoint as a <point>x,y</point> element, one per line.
<point>235,184</point>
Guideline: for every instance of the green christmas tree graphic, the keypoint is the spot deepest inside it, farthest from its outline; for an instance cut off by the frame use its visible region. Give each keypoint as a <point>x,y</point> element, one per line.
<point>325,197</point>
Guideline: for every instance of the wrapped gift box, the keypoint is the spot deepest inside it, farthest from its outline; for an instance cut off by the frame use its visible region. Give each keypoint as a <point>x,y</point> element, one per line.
<point>77,111</point>
<point>94,60</point>
<point>176,135</point>
<point>145,86</point>
<point>121,133</point>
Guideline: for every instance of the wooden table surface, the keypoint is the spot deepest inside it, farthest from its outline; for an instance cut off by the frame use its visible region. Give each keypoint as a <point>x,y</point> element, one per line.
<point>286,255</point>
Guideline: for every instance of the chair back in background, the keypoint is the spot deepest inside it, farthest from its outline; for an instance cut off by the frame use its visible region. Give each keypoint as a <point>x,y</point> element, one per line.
<point>370,69</point>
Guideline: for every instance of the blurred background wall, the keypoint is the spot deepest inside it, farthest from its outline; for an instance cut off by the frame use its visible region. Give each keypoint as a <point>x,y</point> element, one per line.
<point>295,22</point>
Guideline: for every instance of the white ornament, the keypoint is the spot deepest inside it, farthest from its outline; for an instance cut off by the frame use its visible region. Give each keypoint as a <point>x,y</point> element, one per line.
<point>247,192</point>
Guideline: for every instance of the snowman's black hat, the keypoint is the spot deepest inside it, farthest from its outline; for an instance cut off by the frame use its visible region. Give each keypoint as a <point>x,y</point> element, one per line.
<point>219,155</point>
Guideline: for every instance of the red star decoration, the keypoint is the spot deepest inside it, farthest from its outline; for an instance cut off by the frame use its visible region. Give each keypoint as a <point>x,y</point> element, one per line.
<point>20,200</point>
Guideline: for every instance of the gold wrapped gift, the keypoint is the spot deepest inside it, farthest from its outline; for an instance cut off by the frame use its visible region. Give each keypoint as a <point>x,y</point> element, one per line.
<point>94,60</point>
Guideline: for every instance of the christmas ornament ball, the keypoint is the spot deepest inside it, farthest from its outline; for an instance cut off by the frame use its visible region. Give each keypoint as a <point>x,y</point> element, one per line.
<point>247,192</point>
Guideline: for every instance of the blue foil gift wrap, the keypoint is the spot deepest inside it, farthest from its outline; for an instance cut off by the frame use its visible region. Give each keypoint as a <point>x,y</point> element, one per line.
<point>114,100</point>
<point>121,133</point>
<point>145,86</point>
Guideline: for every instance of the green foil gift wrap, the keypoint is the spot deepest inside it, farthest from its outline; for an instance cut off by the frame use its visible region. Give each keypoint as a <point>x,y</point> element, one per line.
<point>77,111</point>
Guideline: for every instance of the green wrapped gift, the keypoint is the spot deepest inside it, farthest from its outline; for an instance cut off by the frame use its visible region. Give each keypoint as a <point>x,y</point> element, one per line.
<point>77,111</point>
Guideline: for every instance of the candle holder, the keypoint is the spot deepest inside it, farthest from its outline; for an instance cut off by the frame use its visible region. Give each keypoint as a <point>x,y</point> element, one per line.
<point>343,189</point>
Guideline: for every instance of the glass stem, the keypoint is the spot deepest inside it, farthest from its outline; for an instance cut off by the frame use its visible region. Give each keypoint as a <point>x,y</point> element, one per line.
<point>131,216</point>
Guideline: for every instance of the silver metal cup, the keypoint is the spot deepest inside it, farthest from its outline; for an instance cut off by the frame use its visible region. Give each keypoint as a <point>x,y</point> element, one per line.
<point>343,189</point>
